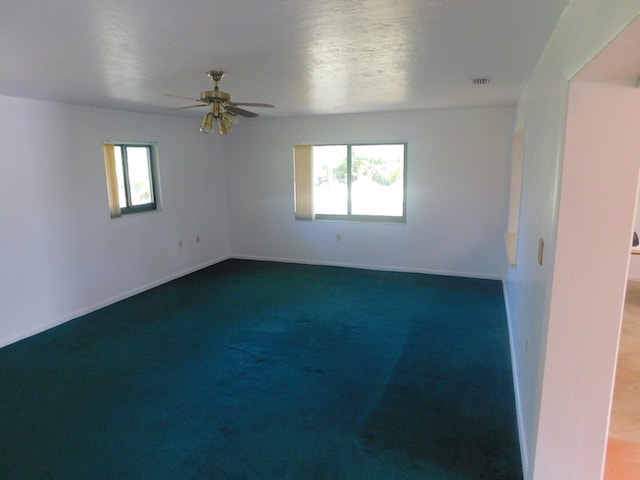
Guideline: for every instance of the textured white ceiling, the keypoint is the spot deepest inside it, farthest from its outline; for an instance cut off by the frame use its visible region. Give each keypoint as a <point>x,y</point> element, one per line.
<point>306,57</point>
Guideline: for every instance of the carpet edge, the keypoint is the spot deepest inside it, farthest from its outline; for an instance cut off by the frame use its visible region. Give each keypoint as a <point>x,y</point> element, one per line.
<point>5,341</point>
<point>385,268</point>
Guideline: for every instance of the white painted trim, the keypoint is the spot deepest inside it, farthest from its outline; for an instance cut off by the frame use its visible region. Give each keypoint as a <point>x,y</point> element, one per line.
<point>385,268</point>
<point>516,388</point>
<point>84,311</point>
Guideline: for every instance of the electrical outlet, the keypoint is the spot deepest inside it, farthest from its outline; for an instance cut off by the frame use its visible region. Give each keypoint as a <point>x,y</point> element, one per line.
<point>197,238</point>
<point>179,243</point>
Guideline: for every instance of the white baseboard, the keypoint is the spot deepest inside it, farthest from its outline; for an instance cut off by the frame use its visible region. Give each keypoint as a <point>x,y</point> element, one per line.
<point>362,266</point>
<point>516,388</point>
<point>92,308</point>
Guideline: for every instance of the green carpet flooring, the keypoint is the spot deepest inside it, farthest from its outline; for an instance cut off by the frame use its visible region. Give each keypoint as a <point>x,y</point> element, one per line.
<point>260,370</point>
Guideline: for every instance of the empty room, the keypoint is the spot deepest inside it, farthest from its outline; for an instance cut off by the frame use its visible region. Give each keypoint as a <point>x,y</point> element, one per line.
<point>314,239</point>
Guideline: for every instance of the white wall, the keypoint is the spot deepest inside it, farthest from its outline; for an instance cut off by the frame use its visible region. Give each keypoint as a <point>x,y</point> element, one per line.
<point>61,253</point>
<point>584,29</point>
<point>457,193</point>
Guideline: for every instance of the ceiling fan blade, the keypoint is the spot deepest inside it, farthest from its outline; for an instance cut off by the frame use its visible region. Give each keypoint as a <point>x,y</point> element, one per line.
<point>179,96</point>
<point>189,106</point>
<point>250,104</point>
<point>240,111</point>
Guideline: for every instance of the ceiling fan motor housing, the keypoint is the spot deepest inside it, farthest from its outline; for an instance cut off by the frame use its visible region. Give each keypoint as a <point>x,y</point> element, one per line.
<point>211,96</point>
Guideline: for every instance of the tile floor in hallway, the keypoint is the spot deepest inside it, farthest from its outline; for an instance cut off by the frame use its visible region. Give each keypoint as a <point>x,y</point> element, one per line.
<point>623,449</point>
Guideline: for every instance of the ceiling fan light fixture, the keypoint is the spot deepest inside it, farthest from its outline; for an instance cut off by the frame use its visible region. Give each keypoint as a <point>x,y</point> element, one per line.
<point>226,123</point>
<point>207,125</point>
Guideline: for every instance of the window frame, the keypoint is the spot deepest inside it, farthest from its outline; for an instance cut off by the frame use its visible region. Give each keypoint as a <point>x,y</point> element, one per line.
<point>153,176</point>
<point>360,217</point>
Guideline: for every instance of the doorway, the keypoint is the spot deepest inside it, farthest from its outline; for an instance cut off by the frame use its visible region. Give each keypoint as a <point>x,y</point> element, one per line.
<point>595,225</point>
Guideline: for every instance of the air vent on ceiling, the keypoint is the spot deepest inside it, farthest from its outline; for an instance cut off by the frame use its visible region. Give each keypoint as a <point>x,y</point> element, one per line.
<point>481,80</point>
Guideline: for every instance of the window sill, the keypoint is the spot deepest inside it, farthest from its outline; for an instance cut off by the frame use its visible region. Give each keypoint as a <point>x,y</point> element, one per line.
<point>360,218</point>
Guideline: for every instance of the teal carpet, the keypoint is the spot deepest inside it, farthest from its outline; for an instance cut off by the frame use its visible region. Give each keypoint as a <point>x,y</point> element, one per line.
<point>259,370</point>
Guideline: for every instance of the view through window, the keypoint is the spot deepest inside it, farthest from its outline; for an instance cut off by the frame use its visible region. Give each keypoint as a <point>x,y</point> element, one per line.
<point>130,178</point>
<point>360,182</point>
<point>133,167</point>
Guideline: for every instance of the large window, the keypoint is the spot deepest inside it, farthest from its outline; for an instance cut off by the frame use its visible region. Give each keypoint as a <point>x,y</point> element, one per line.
<point>351,182</point>
<point>130,178</point>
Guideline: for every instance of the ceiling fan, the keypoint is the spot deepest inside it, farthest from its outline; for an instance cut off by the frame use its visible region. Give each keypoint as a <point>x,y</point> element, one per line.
<point>222,110</point>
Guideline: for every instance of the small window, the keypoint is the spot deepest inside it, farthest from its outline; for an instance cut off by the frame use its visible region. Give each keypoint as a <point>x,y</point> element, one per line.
<point>363,182</point>
<point>130,178</point>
